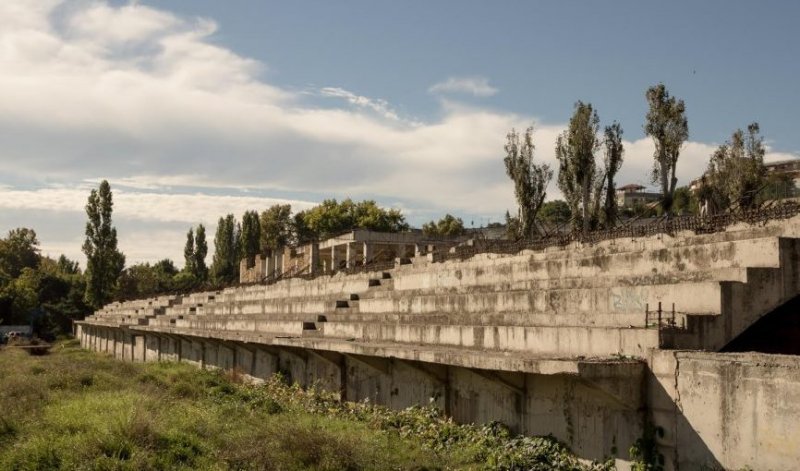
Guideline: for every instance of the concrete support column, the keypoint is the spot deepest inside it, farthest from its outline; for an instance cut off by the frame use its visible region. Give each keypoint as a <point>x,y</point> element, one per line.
<point>313,259</point>
<point>367,252</point>
<point>270,268</point>
<point>417,250</point>
<point>334,259</point>
<point>348,255</point>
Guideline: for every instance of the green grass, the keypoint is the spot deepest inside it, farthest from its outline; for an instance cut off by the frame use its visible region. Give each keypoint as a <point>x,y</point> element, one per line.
<point>77,410</point>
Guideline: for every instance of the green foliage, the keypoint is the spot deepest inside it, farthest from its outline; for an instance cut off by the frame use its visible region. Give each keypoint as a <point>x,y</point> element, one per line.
<point>250,237</point>
<point>78,410</point>
<point>555,212</point>
<point>225,264</point>
<point>143,280</point>
<point>104,263</point>
<point>188,252</point>
<point>575,151</point>
<point>51,289</point>
<point>666,123</point>
<point>194,254</point>
<point>276,227</point>
<point>200,252</point>
<point>612,162</point>
<point>331,218</point>
<point>644,452</point>
<point>447,226</point>
<point>684,202</point>
<point>67,266</point>
<point>530,179</point>
<point>736,171</point>
<point>513,227</point>
<point>19,250</point>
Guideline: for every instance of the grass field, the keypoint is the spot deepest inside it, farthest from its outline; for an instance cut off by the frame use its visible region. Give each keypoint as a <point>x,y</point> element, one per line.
<point>73,409</point>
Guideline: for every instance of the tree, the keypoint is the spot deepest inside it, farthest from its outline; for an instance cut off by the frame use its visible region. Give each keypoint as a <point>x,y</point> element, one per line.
<point>19,250</point>
<point>104,262</point>
<point>188,252</point>
<point>276,227</point>
<point>736,171</point>
<point>331,218</point>
<point>67,266</point>
<point>575,149</point>
<point>199,255</point>
<point>250,237</point>
<point>684,202</point>
<point>555,212</point>
<point>225,264</point>
<point>612,162</point>
<point>666,123</point>
<point>530,179</point>
<point>446,226</point>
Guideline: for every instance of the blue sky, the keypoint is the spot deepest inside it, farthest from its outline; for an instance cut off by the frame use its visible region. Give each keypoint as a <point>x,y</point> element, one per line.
<point>193,109</point>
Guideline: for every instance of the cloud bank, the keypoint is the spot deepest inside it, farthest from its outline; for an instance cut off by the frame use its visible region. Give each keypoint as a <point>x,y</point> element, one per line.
<point>184,128</point>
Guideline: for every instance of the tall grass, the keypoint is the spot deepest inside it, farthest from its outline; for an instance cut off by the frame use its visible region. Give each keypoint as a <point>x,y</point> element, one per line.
<point>77,410</point>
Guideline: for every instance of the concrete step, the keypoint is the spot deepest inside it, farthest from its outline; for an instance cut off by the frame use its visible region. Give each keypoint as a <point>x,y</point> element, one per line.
<point>538,340</point>
<point>697,298</point>
<point>590,262</point>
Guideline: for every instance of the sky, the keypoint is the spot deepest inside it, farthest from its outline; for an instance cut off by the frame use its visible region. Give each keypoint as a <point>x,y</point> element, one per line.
<point>196,109</point>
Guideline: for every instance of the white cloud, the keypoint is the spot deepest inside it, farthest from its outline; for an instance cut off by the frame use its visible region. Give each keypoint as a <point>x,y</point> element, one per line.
<point>477,86</point>
<point>379,106</point>
<point>159,207</point>
<point>143,97</point>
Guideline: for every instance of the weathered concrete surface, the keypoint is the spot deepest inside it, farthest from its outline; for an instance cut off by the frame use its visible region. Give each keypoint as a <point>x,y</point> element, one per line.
<point>726,410</point>
<point>559,341</point>
<point>595,406</point>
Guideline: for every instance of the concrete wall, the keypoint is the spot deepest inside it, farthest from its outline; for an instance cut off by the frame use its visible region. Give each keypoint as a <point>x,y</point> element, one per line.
<point>591,418</point>
<point>726,410</point>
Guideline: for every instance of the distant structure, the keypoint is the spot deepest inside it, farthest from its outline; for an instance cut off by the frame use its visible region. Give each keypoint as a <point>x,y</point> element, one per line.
<point>343,252</point>
<point>789,168</point>
<point>632,195</point>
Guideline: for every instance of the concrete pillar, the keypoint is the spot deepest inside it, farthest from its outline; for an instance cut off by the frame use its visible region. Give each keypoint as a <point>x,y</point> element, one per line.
<point>261,262</point>
<point>417,250</point>
<point>313,259</point>
<point>349,255</point>
<point>367,252</point>
<point>334,259</point>
<point>270,261</point>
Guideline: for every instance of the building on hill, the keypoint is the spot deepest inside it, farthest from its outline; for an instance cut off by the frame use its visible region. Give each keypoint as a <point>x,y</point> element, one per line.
<point>633,195</point>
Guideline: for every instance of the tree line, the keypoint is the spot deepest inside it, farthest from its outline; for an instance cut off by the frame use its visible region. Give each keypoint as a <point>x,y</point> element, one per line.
<point>589,160</point>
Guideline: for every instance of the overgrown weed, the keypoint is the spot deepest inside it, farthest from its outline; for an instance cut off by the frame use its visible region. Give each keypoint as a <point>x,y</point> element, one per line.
<point>74,409</point>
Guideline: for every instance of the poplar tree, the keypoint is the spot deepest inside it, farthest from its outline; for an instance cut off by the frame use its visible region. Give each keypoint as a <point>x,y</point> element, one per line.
<point>612,162</point>
<point>666,123</point>
<point>104,263</point>
<point>530,179</point>
<point>188,252</point>
<point>250,237</point>
<point>200,252</point>
<point>575,149</point>
<point>226,251</point>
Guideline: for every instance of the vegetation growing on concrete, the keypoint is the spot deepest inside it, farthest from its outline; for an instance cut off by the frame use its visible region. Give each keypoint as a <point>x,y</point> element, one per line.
<point>77,410</point>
